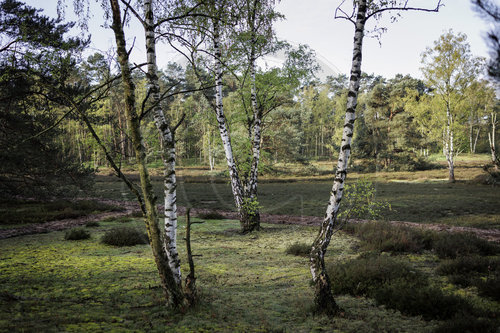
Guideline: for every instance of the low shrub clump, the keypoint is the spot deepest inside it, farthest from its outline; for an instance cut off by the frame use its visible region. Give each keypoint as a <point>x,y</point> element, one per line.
<point>214,215</point>
<point>426,301</point>
<point>466,265</point>
<point>384,237</point>
<point>364,275</point>
<point>397,285</point>
<point>92,224</point>
<point>467,323</point>
<point>299,249</point>
<point>124,236</point>
<point>470,271</point>
<point>23,212</point>
<point>453,245</point>
<point>489,287</point>
<point>76,234</point>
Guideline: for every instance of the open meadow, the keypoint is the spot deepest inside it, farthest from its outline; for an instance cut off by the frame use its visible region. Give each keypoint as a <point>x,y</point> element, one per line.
<point>420,196</point>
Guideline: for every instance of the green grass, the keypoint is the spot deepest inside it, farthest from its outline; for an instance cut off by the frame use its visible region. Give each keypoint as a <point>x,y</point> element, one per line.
<point>247,284</point>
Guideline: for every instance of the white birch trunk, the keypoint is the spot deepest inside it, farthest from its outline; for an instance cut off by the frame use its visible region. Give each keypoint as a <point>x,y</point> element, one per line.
<point>323,297</point>
<point>257,131</point>
<point>236,186</point>
<point>168,153</point>
<point>449,147</point>
<point>475,141</point>
<point>492,141</point>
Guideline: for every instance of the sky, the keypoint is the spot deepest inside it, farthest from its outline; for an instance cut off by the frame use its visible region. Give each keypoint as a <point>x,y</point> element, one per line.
<point>312,22</point>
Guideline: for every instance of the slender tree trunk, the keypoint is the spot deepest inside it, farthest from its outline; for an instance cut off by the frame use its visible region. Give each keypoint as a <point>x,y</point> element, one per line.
<point>168,151</point>
<point>236,185</point>
<point>324,300</point>
<point>168,280</point>
<point>471,136</point>
<point>253,221</point>
<point>492,141</point>
<point>475,141</point>
<point>450,153</point>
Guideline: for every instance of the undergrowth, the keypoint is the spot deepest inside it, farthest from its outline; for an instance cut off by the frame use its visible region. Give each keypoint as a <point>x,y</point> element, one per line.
<point>76,234</point>
<point>124,236</point>
<point>453,245</point>
<point>299,249</point>
<point>387,237</point>
<point>214,215</point>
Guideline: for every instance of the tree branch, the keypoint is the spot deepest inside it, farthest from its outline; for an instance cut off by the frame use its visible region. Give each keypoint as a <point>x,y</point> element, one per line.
<point>405,8</point>
<point>136,14</point>
<point>179,123</point>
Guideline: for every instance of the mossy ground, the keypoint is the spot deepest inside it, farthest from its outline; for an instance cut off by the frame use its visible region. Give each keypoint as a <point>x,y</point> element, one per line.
<point>246,282</point>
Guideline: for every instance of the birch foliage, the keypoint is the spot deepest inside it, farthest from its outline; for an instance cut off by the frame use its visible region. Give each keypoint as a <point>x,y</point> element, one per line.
<point>449,69</point>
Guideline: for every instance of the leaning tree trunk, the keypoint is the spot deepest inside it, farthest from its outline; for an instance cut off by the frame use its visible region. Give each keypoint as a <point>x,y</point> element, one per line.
<point>324,300</point>
<point>168,280</point>
<point>168,153</point>
<point>236,185</point>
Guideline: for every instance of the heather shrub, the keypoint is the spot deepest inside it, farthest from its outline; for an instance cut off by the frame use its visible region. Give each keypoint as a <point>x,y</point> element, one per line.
<point>76,234</point>
<point>453,245</point>
<point>384,237</point>
<point>299,249</point>
<point>211,216</point>
<point>124,236</point>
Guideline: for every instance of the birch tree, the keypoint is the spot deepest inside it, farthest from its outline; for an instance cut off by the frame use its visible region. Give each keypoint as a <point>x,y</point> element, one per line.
<point>358,15</point>
<point>163,242</point>
<point>493,122</point>
<point>212,37</point>
<point>449,68</point>
<point>255,39</point>
<point>164,251</point>
<point>479,101</point>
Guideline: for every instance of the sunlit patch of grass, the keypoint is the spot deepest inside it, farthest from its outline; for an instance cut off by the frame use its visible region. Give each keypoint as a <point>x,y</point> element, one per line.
<point>246,282</point>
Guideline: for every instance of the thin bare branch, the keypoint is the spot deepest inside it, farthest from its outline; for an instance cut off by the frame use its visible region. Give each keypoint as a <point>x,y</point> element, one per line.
<point>179,123</point>
<point>405,8</point>
<point>136,14</point>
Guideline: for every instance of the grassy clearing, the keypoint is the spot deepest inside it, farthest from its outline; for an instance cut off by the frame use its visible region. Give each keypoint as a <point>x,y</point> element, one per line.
<point>459,204</point>
<point>247,284</point>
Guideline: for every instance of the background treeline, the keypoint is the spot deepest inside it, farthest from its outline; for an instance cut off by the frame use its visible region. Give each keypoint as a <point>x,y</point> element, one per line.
<point>54,103</point>
<point>399,123</point>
